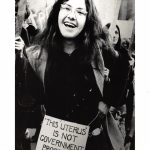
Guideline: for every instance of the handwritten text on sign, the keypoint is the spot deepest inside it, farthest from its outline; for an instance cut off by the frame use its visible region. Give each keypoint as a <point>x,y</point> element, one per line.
<point>58,134</point>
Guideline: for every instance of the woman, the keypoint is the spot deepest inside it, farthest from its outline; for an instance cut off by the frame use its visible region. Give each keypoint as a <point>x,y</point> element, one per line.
<point>116,58</point>
<point>68,61</point>
<point>117,61</point>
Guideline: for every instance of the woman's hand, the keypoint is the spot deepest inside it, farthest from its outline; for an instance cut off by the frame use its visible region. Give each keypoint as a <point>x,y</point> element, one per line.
<point>103,109</point>
<point>19,43</point>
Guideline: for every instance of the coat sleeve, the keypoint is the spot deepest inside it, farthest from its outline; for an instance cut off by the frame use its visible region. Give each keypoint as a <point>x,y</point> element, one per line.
<point>29,89</point>
<point>28,94</point>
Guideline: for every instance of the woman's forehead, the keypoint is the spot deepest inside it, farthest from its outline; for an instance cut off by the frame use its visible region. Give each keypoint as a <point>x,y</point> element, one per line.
<point>76,3</point>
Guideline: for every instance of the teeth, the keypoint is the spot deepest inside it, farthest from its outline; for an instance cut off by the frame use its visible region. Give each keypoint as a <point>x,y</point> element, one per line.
<point>69,25</point>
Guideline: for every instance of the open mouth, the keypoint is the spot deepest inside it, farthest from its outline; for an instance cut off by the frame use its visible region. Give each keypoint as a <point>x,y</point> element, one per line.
<point>70,25</point>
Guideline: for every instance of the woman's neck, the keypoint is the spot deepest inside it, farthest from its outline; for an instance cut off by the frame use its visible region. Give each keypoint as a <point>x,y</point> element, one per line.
<point>69,46</point>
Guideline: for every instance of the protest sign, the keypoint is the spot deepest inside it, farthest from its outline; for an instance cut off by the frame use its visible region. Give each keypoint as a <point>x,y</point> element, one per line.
<point>57,134</point>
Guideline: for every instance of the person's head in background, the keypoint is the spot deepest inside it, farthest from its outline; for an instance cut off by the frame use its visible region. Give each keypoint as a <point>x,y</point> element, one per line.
<point>116,38</point>
<point>18,4</point>
<point>74,21</point>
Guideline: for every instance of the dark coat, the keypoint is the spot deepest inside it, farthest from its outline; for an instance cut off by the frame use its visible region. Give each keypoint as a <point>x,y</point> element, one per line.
<point>119,68</point>
<point>38,59</point>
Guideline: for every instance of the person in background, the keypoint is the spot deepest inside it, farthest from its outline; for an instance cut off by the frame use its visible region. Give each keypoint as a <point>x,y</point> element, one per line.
<point>130,99</point>
<point>26,107</point>
<point>120,63</point>
<point>116,58</point>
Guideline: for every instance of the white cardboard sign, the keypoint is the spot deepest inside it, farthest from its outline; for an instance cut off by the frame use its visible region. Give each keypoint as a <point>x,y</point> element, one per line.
<point>58,134</point>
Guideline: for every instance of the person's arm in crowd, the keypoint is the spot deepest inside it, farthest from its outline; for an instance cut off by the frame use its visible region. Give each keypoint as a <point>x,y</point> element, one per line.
<point>19,45</point>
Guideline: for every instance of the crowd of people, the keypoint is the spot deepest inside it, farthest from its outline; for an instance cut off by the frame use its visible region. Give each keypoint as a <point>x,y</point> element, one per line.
<point>78,71</point>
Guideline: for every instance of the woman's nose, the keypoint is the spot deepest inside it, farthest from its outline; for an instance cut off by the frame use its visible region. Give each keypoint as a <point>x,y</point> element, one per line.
<point>72,15</point>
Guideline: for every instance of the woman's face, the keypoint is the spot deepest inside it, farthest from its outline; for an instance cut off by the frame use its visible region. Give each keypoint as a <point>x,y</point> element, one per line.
<point>72,18</point>
<point>115,36</point>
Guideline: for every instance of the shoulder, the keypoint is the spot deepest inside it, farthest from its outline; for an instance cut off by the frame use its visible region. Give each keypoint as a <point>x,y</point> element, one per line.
<point>36,56</point>
<point>98,61</point>
<point>98,69</point>
<point>36,52</point>
<point>33,51</point>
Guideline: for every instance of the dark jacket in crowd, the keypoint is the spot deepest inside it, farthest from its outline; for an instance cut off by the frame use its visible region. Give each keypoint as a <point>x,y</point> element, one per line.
<point>115,89</point>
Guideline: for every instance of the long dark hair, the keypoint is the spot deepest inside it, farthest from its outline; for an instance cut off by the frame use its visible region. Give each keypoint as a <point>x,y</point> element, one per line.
<point>89,38</point>
<point>118,45</point>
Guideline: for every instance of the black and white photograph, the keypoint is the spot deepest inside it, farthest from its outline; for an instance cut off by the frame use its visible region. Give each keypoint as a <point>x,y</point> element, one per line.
<point>74,74</point>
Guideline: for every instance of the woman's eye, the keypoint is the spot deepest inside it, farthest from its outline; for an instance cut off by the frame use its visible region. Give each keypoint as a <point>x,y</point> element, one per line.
<point>81,13</point>
<point>67,8</point>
